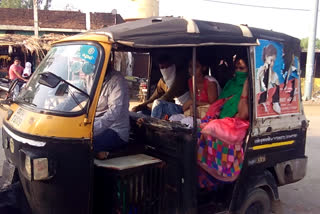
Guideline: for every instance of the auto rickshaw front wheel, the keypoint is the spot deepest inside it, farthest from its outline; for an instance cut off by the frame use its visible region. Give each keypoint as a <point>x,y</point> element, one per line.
<point>256,202</point>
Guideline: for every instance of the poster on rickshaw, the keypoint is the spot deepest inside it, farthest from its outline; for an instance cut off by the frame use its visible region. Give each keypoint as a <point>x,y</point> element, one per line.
<point>277,80</point>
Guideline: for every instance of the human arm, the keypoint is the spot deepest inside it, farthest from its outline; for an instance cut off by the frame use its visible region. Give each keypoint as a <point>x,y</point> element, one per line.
<point>275,79</point>
<point>212,92</point>
<point>14,70</point>
<point>160,90</point>
<point>261,72</point>
<point>114,96</point>
<point>178,88</point>
<point>187,105</point>
<point>243,107</point>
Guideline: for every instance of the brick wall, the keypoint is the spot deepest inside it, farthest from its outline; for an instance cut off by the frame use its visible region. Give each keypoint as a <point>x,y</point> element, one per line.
<point>56,19</point>
<point>101,20</point>
<point>20,17</point>
<point>62,19</point>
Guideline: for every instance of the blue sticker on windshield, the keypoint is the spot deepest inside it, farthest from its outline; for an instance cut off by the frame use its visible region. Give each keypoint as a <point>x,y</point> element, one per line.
<point>89,53</point>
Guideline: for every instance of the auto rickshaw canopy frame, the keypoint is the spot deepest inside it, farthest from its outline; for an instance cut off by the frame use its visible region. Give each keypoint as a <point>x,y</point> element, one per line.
<point>165,32</point>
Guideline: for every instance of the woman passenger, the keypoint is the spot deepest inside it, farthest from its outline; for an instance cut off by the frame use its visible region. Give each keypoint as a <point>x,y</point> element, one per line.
<point>208,88</point>
<point>236,93</point>
<point>218,160</point>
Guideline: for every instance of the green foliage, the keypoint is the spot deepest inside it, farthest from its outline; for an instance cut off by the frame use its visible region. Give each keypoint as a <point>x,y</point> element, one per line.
<point>25,4</point>
<point>304,43</point>
<point>11,4</point>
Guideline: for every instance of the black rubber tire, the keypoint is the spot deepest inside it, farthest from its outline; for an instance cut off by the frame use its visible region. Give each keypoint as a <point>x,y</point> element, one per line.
<point>256,202</point>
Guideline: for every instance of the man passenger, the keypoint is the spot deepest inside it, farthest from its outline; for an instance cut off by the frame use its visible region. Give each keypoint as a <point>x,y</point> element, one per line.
<point>172,87</point>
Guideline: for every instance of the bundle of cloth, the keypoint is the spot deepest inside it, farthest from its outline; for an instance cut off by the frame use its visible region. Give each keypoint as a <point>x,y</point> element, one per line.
<point>221,135</point>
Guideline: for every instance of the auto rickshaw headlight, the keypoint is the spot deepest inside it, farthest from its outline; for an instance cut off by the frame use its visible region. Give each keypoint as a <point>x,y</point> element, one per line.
<point>40,169</point>
<point>35,168</point>
<point>27,165</point>
<point>11,145</point>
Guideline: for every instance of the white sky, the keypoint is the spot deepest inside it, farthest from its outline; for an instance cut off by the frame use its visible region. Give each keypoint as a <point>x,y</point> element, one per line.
<point>295,23</point>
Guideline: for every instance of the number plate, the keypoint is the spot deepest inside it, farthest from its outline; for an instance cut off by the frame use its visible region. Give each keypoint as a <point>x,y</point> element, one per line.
<point>18,117</point>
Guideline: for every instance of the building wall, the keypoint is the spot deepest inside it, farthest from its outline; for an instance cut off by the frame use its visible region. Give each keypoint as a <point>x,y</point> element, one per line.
<point>56,19</point>
<point>101,20</point>
<point>47,18</point>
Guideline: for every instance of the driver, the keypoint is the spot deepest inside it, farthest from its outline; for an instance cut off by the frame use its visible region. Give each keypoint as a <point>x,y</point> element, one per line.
<point>111,124</point>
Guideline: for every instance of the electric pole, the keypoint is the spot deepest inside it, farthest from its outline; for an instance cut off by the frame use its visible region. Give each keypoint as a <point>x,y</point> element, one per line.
<point>35,18</point>
<point>310,56</point>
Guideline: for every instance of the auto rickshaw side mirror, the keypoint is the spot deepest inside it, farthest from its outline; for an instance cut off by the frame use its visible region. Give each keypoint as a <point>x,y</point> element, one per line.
<point>48,79</point>
<point>61,90</point>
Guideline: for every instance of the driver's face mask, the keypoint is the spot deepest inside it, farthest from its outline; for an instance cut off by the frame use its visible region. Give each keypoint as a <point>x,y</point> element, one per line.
<point>169,70</point>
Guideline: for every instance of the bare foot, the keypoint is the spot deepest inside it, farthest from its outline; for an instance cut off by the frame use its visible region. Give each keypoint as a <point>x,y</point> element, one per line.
<point>102,155</point>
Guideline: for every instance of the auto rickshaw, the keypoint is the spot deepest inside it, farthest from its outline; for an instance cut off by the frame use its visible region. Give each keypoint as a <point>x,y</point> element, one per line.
<point>49,149</point>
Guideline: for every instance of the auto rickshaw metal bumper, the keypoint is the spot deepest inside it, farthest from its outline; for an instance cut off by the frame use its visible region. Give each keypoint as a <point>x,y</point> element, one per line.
<point>291,171</point>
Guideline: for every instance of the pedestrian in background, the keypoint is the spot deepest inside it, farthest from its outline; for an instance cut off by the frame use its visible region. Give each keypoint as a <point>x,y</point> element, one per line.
<point>15,70</point>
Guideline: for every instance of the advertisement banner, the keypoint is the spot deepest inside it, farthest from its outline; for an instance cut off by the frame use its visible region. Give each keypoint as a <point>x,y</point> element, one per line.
<point>277,80</point>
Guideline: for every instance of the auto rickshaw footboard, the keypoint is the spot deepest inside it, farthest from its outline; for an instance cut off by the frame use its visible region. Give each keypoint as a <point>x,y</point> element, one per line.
<point>130,184</point>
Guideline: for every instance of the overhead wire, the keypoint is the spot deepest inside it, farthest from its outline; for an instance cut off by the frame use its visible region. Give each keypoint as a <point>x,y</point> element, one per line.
<point>258,6</point>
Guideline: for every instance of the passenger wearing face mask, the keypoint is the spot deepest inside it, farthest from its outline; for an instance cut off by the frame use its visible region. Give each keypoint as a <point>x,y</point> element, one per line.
<point>171,92</point>
<point>269,79</point>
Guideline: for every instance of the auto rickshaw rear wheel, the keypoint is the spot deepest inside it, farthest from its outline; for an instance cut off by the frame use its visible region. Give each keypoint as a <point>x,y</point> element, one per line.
<point>256,202</point>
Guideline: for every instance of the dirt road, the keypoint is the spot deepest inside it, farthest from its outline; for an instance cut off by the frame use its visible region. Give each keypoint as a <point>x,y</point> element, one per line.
<point>303,196</point>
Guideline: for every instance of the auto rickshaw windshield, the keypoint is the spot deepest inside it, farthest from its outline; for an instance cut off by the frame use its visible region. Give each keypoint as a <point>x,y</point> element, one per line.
<point>76,65</point>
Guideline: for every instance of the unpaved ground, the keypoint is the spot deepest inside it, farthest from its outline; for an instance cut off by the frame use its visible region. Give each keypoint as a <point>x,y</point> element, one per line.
<point>303,197</point>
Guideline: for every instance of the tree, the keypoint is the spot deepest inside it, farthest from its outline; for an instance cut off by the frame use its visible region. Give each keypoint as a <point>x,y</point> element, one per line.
<point>47,5</point>
<point>11,4</point>
<point>25,4</point>
<point>304,43</point>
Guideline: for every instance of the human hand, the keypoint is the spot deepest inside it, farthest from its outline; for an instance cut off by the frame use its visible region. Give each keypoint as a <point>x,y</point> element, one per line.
<point>140,122</point>
<point>138,108</point>
<point>187,105</point>
<point>192,111</point>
